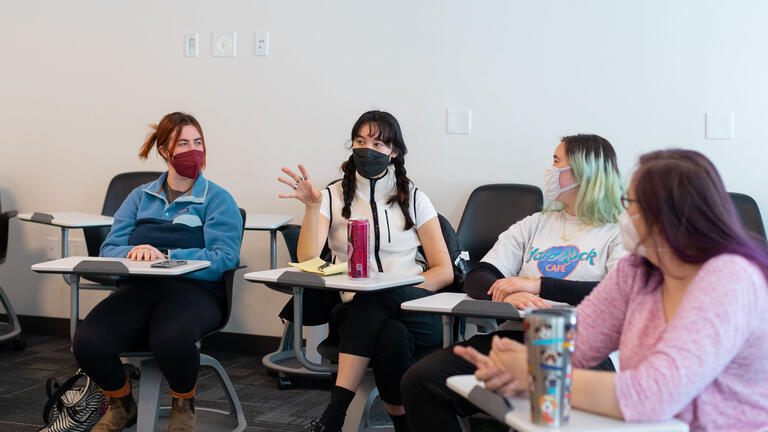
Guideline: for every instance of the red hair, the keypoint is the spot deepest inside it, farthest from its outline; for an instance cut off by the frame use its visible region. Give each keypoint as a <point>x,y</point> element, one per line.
<point>166,133</point>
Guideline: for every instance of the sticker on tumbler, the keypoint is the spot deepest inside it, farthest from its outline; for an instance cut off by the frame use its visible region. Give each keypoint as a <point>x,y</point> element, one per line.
<point>548,405</point>
<point>550,359</point>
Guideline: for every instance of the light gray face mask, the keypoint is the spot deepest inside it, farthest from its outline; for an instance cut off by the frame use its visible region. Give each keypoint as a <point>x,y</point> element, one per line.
<point>552,189</point>
<point>629,236</point>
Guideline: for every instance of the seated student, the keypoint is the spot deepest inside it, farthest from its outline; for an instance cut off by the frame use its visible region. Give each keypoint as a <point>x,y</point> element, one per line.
<point>686,310</point>
<point>371,328</point>
<point>558,254</point>
<point>181,215</point>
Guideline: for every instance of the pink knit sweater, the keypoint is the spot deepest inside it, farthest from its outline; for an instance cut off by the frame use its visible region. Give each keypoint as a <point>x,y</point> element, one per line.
<point>707,367</point>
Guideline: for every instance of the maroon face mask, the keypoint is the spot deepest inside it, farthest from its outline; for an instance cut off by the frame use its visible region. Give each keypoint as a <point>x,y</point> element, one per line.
<point>189,163</point>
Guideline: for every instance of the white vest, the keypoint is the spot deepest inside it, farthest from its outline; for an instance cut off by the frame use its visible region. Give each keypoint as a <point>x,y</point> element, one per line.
<point>397,248</point>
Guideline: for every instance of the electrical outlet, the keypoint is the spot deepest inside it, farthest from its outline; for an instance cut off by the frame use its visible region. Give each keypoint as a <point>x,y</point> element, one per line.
<point>261,44</point>
<point>53,248</point>
<point>77,247</point>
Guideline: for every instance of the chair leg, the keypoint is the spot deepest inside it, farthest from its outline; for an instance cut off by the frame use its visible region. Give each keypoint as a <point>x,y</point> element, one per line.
<point>13,320</point>
<point>149,395</point>
<point>234,402</point>
<point>359,410</point>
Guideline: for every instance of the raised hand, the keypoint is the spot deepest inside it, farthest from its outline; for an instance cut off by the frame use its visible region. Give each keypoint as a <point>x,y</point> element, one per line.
<point>303,189</point>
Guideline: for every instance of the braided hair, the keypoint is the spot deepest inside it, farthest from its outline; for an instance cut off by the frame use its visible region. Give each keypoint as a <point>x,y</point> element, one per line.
<point>384,127</point>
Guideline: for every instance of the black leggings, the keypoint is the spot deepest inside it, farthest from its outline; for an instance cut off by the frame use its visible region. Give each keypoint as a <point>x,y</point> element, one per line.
<point>164,316</point>
<point>373,325</point>
<point>431,405</point>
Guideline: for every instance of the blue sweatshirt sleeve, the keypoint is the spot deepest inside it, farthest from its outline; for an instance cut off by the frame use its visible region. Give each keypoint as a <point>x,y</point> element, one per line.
<point>116,244</point>
<point>222,228</point>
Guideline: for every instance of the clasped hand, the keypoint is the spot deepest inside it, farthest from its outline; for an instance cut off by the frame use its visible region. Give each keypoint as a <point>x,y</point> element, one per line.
<point>504,370</point>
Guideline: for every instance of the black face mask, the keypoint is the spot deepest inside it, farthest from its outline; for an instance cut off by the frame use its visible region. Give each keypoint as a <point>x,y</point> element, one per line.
<point>369,163</point>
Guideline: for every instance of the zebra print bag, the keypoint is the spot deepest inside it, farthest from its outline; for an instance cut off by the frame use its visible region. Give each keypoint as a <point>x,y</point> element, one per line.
<point>73,408</point>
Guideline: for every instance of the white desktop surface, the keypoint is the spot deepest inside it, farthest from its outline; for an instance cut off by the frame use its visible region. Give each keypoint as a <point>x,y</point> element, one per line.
<point>138,268</point>
<point>444,303</point>
<point>437,303</point>
<point>72,219</point>
<point>519,417</point>
<point>341,282</point>
<point>265,222</point>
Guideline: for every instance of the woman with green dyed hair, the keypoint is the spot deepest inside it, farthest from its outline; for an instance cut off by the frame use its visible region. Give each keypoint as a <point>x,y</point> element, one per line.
<point>558,254</point>
<point>594,188</point>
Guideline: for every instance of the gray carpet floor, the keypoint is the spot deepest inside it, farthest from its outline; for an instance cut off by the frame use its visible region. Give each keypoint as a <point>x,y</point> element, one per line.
<point>23,375</point>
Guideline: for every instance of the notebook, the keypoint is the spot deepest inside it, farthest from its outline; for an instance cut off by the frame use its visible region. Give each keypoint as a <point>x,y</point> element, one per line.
<point>320,266</point>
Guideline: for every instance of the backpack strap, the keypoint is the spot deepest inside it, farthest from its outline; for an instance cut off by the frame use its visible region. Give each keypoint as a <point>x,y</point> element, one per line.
<point>415,215</point>
<point>55,398</point>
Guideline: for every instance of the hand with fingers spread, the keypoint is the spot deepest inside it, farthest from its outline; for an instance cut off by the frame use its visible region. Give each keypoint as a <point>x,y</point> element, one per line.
<point>303,189</point>
<point>523,300</point>
<point>145,252</point>
<point>506,286</point>
<point>494,377</point>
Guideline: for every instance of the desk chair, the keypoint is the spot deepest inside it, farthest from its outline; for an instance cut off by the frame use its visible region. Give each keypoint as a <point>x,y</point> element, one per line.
<point>489,211</point>
<point>12,330</point>
<point>118,190</point>
<point>749,213</point>
<point>315,323</point>
<point>208,419</point>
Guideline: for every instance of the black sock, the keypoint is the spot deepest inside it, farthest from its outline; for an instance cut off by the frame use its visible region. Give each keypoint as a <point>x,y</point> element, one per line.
<point>400,422</point>
<point>333,416</point>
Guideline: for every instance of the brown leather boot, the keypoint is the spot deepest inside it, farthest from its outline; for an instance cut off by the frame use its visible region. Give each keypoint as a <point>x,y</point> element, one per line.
<point>182,415</point>
<point>121,413</point>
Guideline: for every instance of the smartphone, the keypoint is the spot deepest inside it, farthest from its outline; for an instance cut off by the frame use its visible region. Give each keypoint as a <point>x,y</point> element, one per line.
<point>168,264</point>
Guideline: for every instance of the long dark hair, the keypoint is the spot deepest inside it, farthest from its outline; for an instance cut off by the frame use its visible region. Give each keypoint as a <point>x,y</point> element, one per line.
<point>681,194</point>
<point>383,126</point>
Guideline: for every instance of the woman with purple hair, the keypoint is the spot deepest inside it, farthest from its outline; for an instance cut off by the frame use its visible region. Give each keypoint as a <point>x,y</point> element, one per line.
<point>687,310</point>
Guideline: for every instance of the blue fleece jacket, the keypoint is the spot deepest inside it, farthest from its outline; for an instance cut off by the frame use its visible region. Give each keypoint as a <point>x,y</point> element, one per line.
<point>203,224</point>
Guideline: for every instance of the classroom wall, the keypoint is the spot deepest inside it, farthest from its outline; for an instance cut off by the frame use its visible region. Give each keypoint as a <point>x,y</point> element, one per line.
<point>80,81</point>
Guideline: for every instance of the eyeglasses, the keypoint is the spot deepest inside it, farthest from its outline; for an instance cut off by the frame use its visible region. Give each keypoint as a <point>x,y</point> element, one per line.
<point>626,201</point>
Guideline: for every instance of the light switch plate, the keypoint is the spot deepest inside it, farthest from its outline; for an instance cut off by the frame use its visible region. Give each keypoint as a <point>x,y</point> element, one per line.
<point>225,44</point>
<point>192,45</point>
<point>719,125</point>
<point>458,121</point>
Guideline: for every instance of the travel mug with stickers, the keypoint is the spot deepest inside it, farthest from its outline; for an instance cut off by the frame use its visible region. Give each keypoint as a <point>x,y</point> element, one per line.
<point>550,338</point>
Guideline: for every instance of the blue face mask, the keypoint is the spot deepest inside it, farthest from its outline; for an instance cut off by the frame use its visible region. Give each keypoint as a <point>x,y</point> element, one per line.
<point>370,163</point>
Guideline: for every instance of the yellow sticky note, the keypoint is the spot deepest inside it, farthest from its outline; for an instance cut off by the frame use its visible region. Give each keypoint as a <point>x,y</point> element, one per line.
<point>320,266</point>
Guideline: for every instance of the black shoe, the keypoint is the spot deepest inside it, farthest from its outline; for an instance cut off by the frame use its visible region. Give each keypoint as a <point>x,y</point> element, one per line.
<point>316,426</point>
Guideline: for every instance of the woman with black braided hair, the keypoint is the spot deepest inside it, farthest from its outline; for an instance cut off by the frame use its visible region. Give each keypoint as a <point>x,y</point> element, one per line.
<point>371,328</point>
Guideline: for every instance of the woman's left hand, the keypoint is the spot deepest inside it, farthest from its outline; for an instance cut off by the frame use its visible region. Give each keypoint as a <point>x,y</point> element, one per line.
<point>506,286</point>
<point>512,358</point>
<point>145,252</point>
<point>495,378</point>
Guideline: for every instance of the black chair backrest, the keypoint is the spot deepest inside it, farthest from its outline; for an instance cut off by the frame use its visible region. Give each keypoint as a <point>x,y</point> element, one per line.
<point>229,281</point>
<point>4,232</point>
<point>749,213</point>
<point>490,210</point>
<point>118,190</point>
<point>290,234</point>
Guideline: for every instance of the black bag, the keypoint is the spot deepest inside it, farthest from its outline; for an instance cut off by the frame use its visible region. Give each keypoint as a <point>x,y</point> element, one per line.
<point>73,408</point>
<point>459,257</point>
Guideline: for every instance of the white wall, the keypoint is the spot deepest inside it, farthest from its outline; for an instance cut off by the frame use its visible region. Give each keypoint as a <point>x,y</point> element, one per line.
<point>81,80</point>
